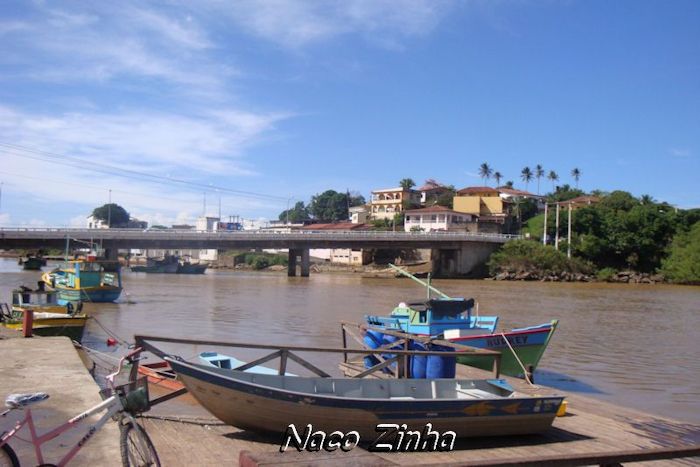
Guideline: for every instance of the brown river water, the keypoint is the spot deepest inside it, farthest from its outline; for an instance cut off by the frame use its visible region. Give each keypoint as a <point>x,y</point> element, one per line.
<point>635,345</point>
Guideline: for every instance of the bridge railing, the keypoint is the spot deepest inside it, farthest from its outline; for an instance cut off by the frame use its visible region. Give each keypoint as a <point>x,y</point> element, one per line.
<point>53,232</point>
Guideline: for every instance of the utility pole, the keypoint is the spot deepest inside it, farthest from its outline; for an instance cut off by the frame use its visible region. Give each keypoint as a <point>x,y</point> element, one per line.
<point>219,205</point>
<point>287,211</point>
<point>544,234</point>
<point>568,240</point>
<point>109,210</point>
<point>556,234</point>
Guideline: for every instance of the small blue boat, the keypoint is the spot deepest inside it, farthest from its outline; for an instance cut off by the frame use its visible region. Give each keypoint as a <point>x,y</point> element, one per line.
<point>230,363</point>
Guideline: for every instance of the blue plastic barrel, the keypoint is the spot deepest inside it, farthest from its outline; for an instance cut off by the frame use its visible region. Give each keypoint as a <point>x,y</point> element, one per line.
<point>440,367</point>
<point>418,362</point>
<point>372,339</point>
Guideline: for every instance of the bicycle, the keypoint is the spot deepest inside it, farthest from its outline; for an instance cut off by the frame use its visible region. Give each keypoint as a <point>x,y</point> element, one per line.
<point>122,403</point>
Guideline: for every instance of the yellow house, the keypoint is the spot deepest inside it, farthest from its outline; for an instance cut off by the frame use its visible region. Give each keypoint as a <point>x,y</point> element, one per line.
<point>480,201</point>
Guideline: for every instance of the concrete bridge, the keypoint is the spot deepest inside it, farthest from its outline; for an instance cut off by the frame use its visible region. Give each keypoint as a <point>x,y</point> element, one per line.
<point>453,252</point>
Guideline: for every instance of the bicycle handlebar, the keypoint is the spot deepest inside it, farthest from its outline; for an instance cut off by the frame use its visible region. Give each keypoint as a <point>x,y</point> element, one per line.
<point>110,377</point>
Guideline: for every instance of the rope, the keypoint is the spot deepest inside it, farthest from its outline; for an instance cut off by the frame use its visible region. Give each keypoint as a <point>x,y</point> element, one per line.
<point>527,378</point>
<point>112,334</point>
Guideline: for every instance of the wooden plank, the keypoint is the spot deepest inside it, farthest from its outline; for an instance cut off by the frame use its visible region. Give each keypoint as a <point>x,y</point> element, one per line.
<point>309,366</point>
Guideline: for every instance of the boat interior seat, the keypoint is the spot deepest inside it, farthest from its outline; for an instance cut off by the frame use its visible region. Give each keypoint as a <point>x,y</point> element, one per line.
<point>474,394</point>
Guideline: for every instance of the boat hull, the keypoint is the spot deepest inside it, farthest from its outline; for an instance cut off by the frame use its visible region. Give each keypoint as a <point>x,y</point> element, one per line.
<point>101,295</point>
<point>72,328</point>
<point>265,409</point>
<point>529,345</point>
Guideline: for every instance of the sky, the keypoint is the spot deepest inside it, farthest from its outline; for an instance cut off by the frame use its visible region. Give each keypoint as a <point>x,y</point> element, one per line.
<point>168,107</point>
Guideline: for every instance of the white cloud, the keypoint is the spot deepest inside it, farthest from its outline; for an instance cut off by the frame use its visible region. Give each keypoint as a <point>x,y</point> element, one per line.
<point>210,142</point>
<point>296,23</point>
<point>680,152</point>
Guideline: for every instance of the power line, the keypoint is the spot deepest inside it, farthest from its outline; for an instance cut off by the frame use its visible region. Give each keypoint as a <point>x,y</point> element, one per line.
<point>109,169</point>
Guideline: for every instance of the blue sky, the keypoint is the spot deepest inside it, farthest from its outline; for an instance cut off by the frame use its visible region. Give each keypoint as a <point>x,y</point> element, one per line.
<point>260,102</point>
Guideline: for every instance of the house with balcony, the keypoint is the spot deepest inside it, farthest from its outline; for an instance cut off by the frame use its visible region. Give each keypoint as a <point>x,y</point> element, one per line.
<point>486,203</point>
<point>386,203</point>
<point>438,218</point>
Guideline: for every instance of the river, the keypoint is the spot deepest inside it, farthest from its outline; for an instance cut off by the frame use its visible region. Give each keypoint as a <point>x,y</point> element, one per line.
<point>636,345</point>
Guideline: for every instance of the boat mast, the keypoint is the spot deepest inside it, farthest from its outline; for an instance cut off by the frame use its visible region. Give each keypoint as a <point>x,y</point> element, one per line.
<point>423,283</point>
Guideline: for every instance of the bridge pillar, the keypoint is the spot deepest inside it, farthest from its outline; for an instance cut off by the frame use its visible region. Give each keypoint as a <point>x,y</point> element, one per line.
<point>469,260</point>
<point>292,263</point>
<point>305,262</point>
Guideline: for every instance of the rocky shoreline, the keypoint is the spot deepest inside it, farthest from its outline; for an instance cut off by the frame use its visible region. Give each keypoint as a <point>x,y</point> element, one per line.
<point>621,277</point>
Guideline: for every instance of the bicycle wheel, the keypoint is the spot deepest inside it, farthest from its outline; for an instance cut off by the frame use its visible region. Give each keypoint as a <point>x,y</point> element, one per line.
<point>8,458</point>
<point>136,447</point>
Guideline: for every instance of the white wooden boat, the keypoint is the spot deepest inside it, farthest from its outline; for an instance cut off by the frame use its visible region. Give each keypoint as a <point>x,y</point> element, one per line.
<point>270,403</point>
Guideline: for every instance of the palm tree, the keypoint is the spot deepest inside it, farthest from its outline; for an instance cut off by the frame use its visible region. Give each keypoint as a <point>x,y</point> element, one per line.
<point>576,173</point>
<point>646,200</point>
<point>407,183</point>
<point>509,184</point>
<point>539,173</point>
<point>485,172</point>
<point>526,176</point>
<point>498,176</point>
<point>552,177</point>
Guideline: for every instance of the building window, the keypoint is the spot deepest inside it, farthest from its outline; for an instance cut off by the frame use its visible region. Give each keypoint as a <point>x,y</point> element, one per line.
<point>433,218</point>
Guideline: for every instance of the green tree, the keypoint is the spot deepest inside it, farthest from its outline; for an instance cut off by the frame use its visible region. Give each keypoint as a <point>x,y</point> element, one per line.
<point>539,173</point>
<point>564,193</point>
<point>329,206</point>
<point>509,184</point>
<point>576,173</point>
<point>407,183</point>
<point>485,172</point>
<point>498,176</point>
<point>526,176</point>
<point>620,232</point>
<point>299,213</point>
<point>552,177</point>
<point>447,198</point>
<point>112,214</point>
<point>683,263</point>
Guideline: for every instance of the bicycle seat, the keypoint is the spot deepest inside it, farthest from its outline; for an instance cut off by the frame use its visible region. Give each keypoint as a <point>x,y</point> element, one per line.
<point>15,401</point>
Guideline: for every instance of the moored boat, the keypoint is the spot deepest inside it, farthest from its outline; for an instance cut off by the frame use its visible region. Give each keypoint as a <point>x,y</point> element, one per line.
<point>454,320</point>
<point>270,403</point>
<point>91,281</point>
<point>46,324</point>
<point>185,267</point>
<point>167,265</point>
<point>32,263</point>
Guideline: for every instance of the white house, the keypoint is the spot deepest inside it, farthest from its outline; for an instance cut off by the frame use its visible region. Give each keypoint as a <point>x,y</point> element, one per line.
<point>208,224</point>
<point>436,218</point>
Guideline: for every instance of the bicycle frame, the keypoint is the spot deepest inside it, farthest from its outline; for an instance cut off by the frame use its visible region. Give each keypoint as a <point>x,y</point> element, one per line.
<point>112,405</point>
